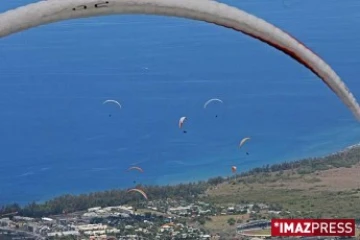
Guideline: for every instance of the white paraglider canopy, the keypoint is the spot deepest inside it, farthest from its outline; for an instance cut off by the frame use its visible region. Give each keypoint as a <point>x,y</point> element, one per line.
<point>113,101</point>
<point>212,100</point>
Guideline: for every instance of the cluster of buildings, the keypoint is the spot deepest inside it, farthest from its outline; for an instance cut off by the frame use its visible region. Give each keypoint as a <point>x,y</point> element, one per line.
<point>161,221</point>
<point>175,221</point>
<point>115,222</point>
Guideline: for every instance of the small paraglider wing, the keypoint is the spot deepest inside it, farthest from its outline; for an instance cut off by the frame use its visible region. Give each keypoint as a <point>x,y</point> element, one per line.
<point>233,169</point>
<point>139,191</point>
<point>212,100</point>
<point>243,141</point>
<point>136,168</point>
<point>181,121</point>
<point>113,101</point>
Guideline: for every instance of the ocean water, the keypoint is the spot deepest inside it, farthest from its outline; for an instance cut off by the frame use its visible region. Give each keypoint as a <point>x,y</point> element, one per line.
<point>57,136</point>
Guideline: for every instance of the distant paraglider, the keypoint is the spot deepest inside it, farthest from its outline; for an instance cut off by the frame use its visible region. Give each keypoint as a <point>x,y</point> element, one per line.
<point>243,141</point>
<point>212,100</point>
<point>233,170</point>
<point>139,191</point>
<point>136,168</point>
<point>113,101</point>
<point>181,123</point>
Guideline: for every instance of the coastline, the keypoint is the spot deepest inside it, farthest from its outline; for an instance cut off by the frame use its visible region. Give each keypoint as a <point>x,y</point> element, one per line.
<point>249,168</point>
<point>198,179</point>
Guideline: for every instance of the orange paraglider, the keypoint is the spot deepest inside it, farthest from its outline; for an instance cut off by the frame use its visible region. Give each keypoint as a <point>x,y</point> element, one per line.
<point>139,191</point>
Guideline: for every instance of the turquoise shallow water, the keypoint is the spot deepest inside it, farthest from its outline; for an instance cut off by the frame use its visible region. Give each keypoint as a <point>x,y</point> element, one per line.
<point>57,137</point>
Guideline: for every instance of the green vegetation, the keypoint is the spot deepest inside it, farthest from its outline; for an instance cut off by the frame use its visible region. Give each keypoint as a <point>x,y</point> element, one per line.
<point>267,184</point>
<point>260,232</point>
<point>231,221</point>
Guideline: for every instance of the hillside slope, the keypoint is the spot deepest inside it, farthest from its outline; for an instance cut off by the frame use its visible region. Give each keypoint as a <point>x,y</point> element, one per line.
<point>334,192</point>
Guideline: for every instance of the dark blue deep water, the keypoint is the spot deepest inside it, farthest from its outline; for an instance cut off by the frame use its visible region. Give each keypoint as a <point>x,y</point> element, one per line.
<point>56,136</point>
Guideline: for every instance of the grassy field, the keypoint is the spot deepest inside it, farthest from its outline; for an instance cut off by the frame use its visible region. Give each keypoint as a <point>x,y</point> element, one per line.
<point>328,193</point>
<point>259,232</point>
<point>219,224</point>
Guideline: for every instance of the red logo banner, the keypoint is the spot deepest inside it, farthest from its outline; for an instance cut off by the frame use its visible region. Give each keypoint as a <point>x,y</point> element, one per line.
<point>313,227</point>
